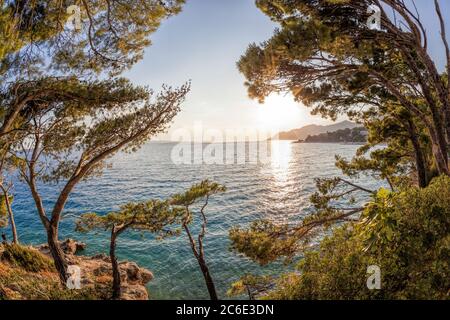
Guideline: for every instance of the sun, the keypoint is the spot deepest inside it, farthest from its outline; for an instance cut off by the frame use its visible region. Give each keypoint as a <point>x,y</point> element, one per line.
<point>280,113</point>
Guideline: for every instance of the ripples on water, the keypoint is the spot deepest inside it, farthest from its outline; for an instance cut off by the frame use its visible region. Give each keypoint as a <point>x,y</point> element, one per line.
<point>278,190</point>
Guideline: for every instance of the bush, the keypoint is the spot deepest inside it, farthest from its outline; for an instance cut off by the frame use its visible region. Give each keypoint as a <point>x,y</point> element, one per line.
<point>26,274</point>
<point>27,258</point>
<point>18,284</point>
<point>406,234</point>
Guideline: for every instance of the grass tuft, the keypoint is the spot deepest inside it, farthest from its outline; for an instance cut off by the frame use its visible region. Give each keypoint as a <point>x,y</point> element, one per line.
<point>26,258</point>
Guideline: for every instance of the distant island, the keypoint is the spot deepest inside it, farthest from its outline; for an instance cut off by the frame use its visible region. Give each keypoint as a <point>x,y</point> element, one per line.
<point>355,135</point>
<point>312,130</point>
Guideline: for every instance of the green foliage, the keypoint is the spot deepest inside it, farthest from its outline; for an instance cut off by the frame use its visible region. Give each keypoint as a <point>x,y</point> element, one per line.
<point>78,125</point>
<point>26,258</point>
<point>18,283</point>
<point>406,234</point>
<point>406,156</point>
<point>112,38</point>
<point>4,210</point>
<point>195,195</point>
<point>343,135</point>
<point>267,241</point>
<point>197,192</point>
<point>327,57</point>
<point>263,242</point>
<point>56,122</point>
<point>164,218</point>
<point>251,285</point>
<point>54,291</point>
<point>153,216</point>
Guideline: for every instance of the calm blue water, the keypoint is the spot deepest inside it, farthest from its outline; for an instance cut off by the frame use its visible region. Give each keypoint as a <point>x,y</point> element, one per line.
<point>278,190</point>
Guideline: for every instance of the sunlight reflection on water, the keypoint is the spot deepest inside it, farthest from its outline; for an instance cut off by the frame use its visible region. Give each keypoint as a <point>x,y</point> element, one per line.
<point>278,190</point>
<point>281,157</point>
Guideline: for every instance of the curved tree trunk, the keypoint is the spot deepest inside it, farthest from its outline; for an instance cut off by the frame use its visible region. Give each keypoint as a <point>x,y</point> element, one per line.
<point>11,216</point>
<point>422,172</point>
<point>116,288</point>
<point>199,255</point>
<point>421,165</point>
<point>208,279</point>
<point>12,221</point>
<point>51,226</point>
<point>439,152</point>
<point>442,140</point>
<point>57,253</point>
<point>440,159</point>
<point>447,122</point>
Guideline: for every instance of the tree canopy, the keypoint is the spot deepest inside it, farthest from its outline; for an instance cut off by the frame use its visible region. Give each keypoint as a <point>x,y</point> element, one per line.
<point>199,194</point>
<point>327,55</point>
<point>329,58</point>
<point>36,36</point>
<point>68,138</point>
<point>63,109</point>
<point>405,234</point>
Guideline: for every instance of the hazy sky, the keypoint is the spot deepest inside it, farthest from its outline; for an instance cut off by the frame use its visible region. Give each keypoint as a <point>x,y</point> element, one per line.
<point>203,44</point>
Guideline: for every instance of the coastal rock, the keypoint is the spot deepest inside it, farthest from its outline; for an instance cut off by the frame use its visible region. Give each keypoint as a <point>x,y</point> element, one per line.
<point>135,274</point>
<point>134,292</point>
<point>101,256</point>
<point>96,272</point>
<point>69,246</point>
<point>99,272</point>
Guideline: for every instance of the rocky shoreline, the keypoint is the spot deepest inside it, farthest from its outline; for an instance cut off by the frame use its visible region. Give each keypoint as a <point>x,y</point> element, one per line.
<point>96,271</point>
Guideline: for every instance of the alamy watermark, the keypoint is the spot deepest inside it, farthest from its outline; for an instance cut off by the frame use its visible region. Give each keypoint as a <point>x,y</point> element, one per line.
<point>74,19</point>
<point>227,147</point>
<point>374,21</point>
<point>374,280</point>
<point>74,279</point>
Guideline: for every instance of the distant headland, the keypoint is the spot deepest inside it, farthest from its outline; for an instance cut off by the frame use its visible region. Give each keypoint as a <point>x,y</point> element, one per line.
<point>313,129</point>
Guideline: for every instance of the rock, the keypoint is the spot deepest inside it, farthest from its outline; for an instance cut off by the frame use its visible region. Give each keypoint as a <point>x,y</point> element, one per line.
<point>101,256</point>
<point>133,273</point>
<point>69,246</point>
<point>134,292</point>
<point>146,275</point>
<point>130,272</point>
<point>96,271</point>
<point>137,275</point>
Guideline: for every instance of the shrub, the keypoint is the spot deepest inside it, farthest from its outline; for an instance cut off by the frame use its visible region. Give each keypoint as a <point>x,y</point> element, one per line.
<point>406,234</point>
<point>27,258</point>
<point>18,284</point>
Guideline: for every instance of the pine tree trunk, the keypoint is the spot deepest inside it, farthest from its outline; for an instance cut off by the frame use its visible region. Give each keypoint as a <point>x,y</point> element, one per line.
<point>58,255</point>
<point>116,288</point>
<point>421,165</point>
<point>13,224</point>
<point>440,159</point>
<point>447,121</point>
<point>422,172</point>
<point>208,279</point>
<point>11,218</point>
<point>441,138</point>
<point>439,149</point>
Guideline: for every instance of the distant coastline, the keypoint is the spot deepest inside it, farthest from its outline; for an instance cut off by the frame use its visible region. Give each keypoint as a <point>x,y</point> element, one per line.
<point>356,136</point>
<point>312,130</point>
<point>342,143</point>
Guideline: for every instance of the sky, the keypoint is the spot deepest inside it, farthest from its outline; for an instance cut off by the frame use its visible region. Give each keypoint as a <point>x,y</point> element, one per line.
<point>203,44</point>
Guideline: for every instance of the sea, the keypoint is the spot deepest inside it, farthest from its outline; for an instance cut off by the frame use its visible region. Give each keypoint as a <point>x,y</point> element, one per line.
<point>277,189</point>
